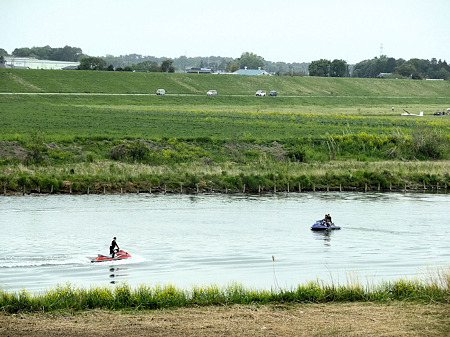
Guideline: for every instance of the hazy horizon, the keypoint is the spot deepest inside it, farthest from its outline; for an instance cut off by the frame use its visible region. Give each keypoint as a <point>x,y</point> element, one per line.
<point>288,31</point>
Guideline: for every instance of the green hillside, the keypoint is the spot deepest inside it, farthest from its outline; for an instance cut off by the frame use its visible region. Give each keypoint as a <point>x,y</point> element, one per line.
<point>15,80</point>
<point>86,131</point>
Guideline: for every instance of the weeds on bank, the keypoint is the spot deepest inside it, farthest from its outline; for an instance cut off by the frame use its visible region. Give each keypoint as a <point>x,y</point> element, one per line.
<point>435,289</point>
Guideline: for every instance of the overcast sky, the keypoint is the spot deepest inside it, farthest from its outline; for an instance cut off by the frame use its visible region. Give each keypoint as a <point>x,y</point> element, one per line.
<point>282,30</point>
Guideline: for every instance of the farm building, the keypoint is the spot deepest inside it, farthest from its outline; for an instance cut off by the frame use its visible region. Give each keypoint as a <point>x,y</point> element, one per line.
<point>32,63</point>
<point>251,72</point>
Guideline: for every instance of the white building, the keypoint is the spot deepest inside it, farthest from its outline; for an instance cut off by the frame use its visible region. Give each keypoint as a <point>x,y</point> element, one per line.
<point>32,63</point>
<point>256,72</point>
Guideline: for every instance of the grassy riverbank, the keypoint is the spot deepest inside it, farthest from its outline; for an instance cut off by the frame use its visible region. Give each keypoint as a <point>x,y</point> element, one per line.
<point>436,290</point>
<point>319,133</point>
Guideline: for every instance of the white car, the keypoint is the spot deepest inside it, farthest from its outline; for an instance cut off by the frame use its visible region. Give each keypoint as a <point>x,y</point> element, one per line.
<point>160,92</point>
<point>260,93</point>
<point>211,92</point>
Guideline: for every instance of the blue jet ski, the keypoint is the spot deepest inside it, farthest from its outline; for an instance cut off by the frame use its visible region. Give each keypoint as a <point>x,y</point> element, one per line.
<point>321,225</point>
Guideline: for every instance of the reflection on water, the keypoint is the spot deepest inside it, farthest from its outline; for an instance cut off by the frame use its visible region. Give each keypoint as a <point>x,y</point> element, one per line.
<point>324,236</point>
<point>117,274</point>
<point>260,241</point>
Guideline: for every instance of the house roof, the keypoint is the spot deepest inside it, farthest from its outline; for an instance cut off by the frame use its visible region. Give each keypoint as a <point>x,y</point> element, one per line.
<point>251,72</point>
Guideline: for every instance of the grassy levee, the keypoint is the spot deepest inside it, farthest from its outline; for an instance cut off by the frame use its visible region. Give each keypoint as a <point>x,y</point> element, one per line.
<point>144,297</point>
<point>319,133</point>
<point>14,80</point>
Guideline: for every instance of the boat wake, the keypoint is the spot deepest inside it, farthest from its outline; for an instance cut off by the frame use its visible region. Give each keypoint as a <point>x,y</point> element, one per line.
<point>57,260</point>
<point>42,261</point>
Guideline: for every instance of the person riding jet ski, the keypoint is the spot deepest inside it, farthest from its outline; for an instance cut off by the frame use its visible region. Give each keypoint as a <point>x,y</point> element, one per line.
<point>114,244</point>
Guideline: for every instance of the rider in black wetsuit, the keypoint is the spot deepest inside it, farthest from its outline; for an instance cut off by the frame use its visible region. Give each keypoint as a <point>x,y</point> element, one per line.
<point>113,245</point>
<point>328,220</point>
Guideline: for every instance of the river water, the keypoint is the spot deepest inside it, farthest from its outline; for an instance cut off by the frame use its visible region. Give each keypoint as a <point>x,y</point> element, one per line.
<point>259,241</point>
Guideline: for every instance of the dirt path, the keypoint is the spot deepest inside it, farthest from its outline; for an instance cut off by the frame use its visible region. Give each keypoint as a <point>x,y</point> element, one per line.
<point>353,319</point>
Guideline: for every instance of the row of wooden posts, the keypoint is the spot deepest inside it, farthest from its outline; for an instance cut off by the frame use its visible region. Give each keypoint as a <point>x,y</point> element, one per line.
<point>244,189</point>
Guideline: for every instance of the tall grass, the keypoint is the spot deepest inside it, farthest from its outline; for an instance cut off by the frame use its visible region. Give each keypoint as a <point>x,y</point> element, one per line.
<point>68,297</point>
<point>116,177</point>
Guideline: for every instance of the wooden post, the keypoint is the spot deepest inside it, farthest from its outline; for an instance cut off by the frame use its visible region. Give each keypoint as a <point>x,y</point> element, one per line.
<point>181,188</point>
<point>244,189</point>
<point>150,190</point>
<point>197,188</point>
<point>226,190</point>
<point>51,189</point>
<point>121,190</point>
<point>288,186</point>
<point>275,188</point>
<point>390,186</point>
<point>137,190</point>
<point>70,189</point>
<point>314,187</point>
<point>165,189</point>
<point>379,186</point>
<point>87,189</point>
<point>365,187</point>
<point>104,189</point>
<point>340,187</point>
<point>299,187</point>
<point>328,188</point>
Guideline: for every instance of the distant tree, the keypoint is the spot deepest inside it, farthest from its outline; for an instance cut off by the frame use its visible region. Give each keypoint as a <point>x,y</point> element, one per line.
<point>375,66</point>
<point>71,54</point>
<point>320,68</point>
<point>110,68</point>
<point>2,59</point>
<point>21,52</point>
<point>407,69</point>
<point>3,52</point>
<point>251,61</point>
<point>338,68</point>
<point>67,53</point>
<point>181,62</point>
<point>166,66</point>
<point>443,74</point>
<point>232,66</point>
<point>92,63</point>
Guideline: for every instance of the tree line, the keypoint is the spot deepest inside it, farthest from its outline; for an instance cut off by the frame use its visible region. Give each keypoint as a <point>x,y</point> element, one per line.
<point>382,66</point>
<point>67,53</point>
<point>414,68</point>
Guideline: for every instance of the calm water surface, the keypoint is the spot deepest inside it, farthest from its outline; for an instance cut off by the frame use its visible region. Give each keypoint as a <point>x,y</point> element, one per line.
<point>260,241</point>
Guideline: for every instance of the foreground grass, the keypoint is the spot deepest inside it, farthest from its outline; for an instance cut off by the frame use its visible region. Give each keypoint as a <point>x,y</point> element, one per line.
<point>435,290</point>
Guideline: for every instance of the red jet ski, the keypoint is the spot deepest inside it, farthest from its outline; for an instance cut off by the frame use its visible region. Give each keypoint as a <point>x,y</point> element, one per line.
<point>120,255</point>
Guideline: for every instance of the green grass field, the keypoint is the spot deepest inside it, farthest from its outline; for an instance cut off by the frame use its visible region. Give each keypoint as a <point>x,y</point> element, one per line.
<point>143,83</point>
<point>62,119</point>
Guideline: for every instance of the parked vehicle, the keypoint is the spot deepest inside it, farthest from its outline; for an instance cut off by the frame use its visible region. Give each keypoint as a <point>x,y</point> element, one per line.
<point>260,93</point>
<point>160,92</point>
<point>211,92</point>
<point>273,93</point>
